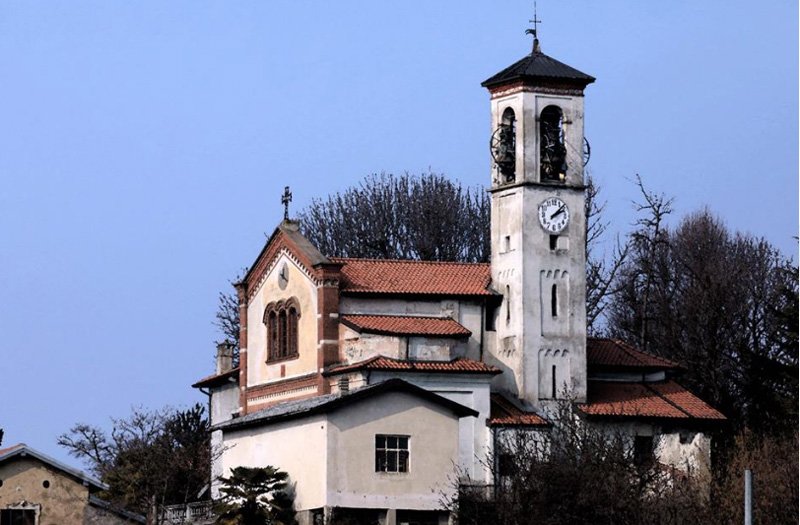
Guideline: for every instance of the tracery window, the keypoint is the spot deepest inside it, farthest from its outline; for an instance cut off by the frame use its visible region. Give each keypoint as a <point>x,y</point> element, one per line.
<point>281,319</point>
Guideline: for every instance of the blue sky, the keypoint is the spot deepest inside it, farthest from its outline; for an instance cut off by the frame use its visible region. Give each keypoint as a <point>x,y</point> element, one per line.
<point>144,147</point>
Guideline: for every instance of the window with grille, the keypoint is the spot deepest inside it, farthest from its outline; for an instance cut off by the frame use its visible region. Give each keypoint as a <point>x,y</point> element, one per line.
<point>391,453</point>
<point>281,319</point>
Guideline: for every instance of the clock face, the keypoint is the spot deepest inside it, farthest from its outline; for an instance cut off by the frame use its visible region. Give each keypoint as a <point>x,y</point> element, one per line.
<point>283,276</point>
<point>553,215</point>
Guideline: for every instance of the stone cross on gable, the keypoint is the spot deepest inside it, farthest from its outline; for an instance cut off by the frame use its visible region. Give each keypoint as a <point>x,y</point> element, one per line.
<point>286,198</point>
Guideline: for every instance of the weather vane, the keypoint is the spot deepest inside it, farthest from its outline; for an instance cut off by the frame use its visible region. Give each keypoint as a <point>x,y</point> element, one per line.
<point>535,30</point>
<point>286,198</point>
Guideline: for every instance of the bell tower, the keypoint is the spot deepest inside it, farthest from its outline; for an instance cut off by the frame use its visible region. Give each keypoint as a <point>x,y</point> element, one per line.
<point>538,227</point>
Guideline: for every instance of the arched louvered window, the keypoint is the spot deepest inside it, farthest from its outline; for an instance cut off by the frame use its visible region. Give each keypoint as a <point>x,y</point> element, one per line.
<point>281,319</point>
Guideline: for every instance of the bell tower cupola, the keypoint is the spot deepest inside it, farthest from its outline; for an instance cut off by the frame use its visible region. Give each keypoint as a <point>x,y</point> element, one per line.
<point>538,153</point>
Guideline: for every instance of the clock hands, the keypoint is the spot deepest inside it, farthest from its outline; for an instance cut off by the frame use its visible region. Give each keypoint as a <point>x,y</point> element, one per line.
<point>558,211</point>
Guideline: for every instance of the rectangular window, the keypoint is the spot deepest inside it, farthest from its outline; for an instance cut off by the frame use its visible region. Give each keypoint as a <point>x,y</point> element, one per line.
<point>506,465</point>
<point>18,517</point>
<point>490,313</point>
<point>391,453</point>
<point>553,242</point>
<point>643,450</point>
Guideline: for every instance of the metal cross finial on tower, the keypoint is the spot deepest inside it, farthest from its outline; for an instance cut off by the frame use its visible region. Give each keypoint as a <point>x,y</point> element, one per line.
<point>286,198</point>
<point>535,30</point>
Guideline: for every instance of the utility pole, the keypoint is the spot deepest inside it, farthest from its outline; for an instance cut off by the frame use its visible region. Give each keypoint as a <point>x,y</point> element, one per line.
<point>748,497</point>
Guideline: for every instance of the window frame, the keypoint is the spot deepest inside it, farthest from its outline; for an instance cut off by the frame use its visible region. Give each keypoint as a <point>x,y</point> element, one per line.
<point>281,319</point>
<point>10,519</point>
<point>402,454</point>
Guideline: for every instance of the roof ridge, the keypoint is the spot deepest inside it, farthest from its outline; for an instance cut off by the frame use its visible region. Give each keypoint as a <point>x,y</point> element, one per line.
<point>415,261</point>
<point>629,347</point>
<point>406,316</point>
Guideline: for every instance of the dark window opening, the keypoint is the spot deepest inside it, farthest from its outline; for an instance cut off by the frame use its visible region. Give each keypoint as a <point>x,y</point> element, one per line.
<point>490,313</point>
<point>554,381</point>
<point>552,151</point>
<point>506,465</point>
<point>508,304</point>
<point>554,300</point>
<point>281,319</point>
<point>391,453</point>
<point>553,242</point>
<point>46,484</point>
<point>418,517</point>
<point>643,452</point>
<point>18,517</point>
<point>504,146</point>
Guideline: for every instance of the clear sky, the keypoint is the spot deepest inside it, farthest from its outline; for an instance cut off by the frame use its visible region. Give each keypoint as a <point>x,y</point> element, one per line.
<point>144,146</point>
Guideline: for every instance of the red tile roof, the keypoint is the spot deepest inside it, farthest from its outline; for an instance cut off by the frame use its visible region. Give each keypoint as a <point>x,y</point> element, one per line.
<point>217,379</point>
<point>375,276</point>
<point>613,353</point>
<point>406,325</point>
<point>459,365</point>
<point>666,400</point>
<point>688,402</point>
<point>503,412</point>
<point>4,451</point>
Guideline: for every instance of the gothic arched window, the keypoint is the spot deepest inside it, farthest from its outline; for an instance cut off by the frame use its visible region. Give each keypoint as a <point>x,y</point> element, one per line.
<point>552,148</point>
<point>281,320</point>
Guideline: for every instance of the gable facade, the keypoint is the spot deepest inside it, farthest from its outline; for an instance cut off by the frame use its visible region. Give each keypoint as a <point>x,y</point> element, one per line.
<point>38,490</point>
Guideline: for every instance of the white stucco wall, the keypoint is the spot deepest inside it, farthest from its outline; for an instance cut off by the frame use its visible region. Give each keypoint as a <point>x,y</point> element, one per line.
<point>224,401</point>
<point>472,391</point>
<point>674,447</point>
<point>298,447</point>
<point>330,458</point>
<point>433,446</point>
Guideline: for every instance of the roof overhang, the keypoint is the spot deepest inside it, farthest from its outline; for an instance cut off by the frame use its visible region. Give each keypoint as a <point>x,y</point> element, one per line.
<point>22,450</point>
<point>292,410</point>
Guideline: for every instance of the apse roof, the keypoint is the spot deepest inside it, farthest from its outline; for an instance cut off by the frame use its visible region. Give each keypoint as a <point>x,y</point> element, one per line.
<point>617,354</point>
<point>663,400</point>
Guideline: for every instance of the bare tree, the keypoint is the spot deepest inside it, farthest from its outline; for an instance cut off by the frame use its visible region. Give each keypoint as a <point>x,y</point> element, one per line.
<point>716,302</point>
<point>773,461</point>
<point>577,472</point>
<point>601,269</point>
<point>152,457</point>
<point>427,217</point>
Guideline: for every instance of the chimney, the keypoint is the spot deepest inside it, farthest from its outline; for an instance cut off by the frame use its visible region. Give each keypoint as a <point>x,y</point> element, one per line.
<point>224,357</point>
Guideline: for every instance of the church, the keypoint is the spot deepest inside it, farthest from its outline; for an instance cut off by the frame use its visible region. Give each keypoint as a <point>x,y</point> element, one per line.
<point>375,383</point>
